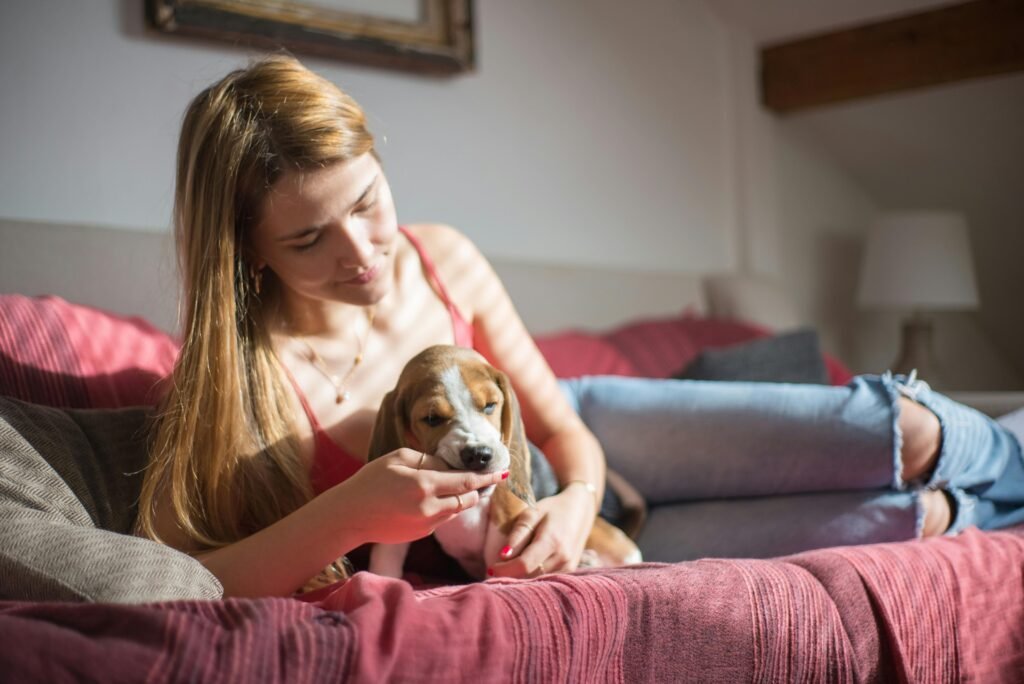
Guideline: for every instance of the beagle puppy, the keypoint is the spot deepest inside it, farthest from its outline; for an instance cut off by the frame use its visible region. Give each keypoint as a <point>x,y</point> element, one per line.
<point>451,403</point>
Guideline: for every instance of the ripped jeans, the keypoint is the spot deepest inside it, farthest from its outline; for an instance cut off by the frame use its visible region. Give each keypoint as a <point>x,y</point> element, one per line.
<point>760,469</point>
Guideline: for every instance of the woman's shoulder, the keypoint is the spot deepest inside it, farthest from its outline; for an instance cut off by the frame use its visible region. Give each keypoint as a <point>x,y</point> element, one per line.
<point>439,238</point>
<point>460,265</point>
<point>450,249</point>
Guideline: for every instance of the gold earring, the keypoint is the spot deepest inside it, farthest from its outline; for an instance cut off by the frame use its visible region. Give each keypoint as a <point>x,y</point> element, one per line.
<point>257,278</point>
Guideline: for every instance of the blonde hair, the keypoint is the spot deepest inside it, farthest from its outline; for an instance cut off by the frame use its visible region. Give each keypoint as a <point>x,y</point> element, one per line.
<point>224,453</point>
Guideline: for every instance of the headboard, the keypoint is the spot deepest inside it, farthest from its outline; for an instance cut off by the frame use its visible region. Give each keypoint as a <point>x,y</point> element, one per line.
<point>125,271</point>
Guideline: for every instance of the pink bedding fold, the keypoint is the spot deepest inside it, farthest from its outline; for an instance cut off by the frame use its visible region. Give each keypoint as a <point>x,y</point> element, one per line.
<point>941,610</point>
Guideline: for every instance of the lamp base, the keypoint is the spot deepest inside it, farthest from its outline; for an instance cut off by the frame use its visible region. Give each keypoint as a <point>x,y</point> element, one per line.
<point>916,350</point>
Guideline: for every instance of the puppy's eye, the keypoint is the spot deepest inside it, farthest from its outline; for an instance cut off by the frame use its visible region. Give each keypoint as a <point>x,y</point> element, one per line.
<point>434,421</point>
<point>489,408</point>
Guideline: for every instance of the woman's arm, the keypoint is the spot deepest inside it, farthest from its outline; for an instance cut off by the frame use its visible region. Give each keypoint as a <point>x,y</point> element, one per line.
<point>388,500</point>
<point>561,522</point>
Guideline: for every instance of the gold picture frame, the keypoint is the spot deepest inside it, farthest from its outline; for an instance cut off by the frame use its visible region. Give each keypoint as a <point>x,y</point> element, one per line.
<point>439,42</point>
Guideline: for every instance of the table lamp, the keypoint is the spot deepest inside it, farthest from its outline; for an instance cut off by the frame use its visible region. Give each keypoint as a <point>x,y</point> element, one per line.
<point>918,262</point>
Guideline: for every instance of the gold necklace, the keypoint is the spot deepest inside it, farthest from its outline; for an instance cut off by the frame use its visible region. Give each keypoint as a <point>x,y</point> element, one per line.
<point>340,384</point>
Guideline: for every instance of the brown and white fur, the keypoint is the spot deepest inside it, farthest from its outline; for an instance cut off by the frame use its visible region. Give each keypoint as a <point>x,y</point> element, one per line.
<point>451,403</point>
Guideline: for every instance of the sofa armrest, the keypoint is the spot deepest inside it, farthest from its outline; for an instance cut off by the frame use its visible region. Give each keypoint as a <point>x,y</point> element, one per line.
<point>992,404</point>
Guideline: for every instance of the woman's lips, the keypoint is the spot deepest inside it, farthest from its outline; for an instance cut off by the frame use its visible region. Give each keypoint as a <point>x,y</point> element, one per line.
<point>363,277</point>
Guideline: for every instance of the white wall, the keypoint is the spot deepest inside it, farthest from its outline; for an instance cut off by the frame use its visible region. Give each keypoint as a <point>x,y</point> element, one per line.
<point>591,132</point>
<point>823,216</point>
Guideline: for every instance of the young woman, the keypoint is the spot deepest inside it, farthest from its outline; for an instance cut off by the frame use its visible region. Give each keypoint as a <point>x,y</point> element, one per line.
<point>304,298</point>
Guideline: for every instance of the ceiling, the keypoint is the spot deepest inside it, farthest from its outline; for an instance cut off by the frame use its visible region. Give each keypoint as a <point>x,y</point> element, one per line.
<point>772,21</point>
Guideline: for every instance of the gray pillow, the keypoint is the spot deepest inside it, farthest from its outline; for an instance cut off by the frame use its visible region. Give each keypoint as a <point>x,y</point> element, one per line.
<point>69,486</point>
<point>790,357</point>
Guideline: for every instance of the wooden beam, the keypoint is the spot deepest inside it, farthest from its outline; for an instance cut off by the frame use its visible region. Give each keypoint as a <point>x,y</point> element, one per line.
<point>952,43</point>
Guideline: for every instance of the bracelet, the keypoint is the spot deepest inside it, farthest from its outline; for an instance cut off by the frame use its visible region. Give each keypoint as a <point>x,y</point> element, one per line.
<point>590,488</point>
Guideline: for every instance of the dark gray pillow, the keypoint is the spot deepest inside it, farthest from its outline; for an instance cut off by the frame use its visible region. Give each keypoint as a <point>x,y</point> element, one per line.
<point>69,484</point>
<point>789,357</point>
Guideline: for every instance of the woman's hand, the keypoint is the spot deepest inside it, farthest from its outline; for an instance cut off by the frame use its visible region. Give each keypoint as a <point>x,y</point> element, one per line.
<point>404,495</point>
<point>550,537</point>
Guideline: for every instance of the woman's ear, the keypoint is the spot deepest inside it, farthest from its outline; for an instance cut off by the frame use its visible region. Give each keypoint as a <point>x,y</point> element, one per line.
<point>389,428</point>
<point>513,435</point>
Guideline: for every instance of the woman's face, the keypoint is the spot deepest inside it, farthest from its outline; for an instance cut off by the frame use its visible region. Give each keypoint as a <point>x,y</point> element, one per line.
<point>329,234</point>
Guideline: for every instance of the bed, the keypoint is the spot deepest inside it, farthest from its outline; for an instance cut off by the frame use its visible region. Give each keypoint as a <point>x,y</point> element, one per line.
<point>84,600</point>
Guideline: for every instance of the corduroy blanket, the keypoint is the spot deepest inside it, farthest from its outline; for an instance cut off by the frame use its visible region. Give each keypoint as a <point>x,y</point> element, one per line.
<point>941,610</point>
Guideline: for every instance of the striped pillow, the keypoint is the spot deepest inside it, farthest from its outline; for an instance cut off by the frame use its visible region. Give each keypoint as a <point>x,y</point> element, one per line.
<point>659,347</point>
<point>574,353</point>
<point>57,353</point>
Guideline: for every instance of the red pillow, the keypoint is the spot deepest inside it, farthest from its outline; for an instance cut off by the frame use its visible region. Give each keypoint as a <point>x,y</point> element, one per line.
<point>574,353</point>
<point>654,347</point>
<point>838,373</point>
<point>659,347</point>
<point>57,353</point>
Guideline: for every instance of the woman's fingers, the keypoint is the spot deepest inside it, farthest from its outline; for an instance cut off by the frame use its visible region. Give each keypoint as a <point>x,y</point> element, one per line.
<point>444,480</point>
<point>533,562</point>
<point>530,552</point>
<point>420,460</point>
<point>461,482</point>
<point>521,534</point>
<point>455,504</point>
<point>454,492</point>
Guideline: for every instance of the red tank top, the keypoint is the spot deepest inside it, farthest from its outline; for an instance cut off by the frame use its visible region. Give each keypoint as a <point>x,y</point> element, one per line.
<point>332,463</point>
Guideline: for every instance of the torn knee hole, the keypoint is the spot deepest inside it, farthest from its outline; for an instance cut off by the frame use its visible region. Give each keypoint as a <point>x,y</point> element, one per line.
<point>921,440</point>
<point>938,512</point>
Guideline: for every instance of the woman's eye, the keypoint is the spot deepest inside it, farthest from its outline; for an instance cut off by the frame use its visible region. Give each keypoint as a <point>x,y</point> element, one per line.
<point>308,245</point>
<point>366,207</point>
<point>434,421</point>
<point>489,408</point>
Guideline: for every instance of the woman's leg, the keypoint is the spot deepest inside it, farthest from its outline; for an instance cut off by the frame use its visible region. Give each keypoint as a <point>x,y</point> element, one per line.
<point>921,442</point>
<point>687,440</point>
<point>769,526</point>
<point>979,468</point>
<point>691,440</point>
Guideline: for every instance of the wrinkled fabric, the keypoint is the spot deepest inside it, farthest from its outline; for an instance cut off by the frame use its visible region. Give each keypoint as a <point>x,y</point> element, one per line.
<point>944,609</point>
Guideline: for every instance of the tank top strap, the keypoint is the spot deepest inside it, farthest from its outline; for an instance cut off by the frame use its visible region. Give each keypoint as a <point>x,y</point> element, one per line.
<point>332,463</point>
<point>461,328</point>
<point>310,416</point>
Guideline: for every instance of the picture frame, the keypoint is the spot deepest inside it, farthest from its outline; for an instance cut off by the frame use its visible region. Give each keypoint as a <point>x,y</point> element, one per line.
<point>439,41</point>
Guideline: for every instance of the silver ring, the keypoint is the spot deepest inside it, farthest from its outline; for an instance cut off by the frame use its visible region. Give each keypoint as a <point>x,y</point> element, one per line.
<point>459,499</point>
<point>423,457</point>
<point>542,570</point>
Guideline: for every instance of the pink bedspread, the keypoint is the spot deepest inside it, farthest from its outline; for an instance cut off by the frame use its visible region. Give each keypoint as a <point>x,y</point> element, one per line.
<point>934,611</point>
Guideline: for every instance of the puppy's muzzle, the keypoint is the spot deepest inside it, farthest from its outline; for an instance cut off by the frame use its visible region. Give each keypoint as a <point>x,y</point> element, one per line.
<point>476,457</point>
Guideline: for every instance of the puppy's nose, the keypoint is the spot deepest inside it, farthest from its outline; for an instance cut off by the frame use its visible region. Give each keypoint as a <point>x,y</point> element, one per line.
<point>476,457</point>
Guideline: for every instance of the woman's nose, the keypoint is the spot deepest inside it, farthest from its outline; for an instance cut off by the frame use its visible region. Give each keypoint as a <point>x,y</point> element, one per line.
<point>358,247</point>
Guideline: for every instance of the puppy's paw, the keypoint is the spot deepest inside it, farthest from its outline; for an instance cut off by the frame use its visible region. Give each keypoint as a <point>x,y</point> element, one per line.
<point>590,559</point>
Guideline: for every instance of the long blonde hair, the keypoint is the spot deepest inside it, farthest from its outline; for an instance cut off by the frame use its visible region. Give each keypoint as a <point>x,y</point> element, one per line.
<point>224,453</point>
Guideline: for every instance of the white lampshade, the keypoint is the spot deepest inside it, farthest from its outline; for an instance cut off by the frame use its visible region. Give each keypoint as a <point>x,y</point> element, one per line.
<point>918,261</point>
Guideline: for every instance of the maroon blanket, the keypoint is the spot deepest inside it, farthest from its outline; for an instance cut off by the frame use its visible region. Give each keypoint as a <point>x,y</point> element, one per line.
<point>938,610</point>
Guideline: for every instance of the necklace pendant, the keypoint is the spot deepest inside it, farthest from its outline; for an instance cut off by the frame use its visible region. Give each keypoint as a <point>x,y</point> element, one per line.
<point>341,397</point>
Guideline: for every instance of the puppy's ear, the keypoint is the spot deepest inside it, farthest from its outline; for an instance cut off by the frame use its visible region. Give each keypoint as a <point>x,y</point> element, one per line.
<point>513,434</point>
<point>389,429</point>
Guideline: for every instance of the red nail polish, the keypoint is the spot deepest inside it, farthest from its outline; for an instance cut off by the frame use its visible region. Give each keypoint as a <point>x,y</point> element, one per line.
<point>504,475</point>
<point>490,572</point>
<point>507,550</point>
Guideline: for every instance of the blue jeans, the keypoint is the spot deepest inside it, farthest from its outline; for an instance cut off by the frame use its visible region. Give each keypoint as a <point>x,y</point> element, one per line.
<point>764,469</point>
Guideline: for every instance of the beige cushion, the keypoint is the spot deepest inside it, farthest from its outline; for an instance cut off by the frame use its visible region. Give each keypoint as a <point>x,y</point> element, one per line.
<point>69,484</point>
<point>751,298</point>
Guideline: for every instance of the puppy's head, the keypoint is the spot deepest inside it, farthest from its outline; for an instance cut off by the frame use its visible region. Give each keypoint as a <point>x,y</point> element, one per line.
<point>450,402</point>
